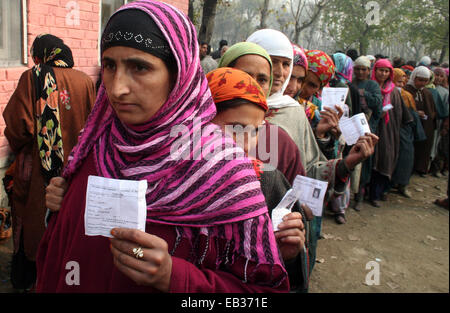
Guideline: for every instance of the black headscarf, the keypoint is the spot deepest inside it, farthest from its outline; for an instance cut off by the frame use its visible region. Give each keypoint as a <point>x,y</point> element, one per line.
<point>135,29</point>
<point>51,52</point>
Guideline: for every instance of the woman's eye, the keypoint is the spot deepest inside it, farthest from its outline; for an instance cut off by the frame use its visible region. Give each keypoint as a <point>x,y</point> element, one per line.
<point>139,68</point>
<point>108,65</point>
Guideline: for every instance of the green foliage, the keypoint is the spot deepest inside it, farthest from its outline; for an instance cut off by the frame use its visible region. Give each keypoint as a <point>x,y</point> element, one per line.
<point>401,22</point>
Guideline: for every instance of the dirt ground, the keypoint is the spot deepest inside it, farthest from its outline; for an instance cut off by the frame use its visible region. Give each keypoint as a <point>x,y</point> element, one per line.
<point>408,238</point>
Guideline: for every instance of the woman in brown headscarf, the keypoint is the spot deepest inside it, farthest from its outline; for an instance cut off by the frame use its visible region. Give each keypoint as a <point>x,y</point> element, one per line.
<point>427,113</point>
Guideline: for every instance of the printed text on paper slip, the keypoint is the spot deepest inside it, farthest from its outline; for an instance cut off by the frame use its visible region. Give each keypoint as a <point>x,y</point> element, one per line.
<point>305,190</point>
<point>354,127</point>
<point>114,203</point>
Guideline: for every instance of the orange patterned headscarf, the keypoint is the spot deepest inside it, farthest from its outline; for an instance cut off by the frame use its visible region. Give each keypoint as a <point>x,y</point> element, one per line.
<point>228,83</point>
<point>398,73</point>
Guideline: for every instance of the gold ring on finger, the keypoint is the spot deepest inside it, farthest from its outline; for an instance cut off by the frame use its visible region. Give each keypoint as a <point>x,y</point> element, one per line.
<point>138,253</point>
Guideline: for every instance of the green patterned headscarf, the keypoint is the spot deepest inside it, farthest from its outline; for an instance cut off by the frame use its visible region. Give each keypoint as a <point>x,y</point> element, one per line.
<point>245,48</point>
<point>51,52</point>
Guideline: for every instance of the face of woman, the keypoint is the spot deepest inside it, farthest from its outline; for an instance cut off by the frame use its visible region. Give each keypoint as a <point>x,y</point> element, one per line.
<point>421,82</point>
<point>400,82</point>
<point>137,83</point>
<point>382,74</point>
<point>281,70</point>
<point>295,82</point>
<point>311,85</point>
<point>244,120</point>
<point>257,67</point>
<point>439,79</point>
<point>361,72</point>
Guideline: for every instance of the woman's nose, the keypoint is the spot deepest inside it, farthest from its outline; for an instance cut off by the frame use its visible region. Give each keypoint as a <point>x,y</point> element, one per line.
<point>120,86</point>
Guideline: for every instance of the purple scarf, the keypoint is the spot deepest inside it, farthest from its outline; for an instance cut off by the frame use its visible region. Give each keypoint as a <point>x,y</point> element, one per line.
<point>211,197</point>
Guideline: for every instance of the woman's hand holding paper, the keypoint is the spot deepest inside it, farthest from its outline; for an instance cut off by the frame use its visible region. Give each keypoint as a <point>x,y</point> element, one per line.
<point>291,235</point>
<point>152,268</point>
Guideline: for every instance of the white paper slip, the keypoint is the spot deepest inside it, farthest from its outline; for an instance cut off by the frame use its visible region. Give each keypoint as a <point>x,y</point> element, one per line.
<point>354,127</point>
<point>425,117</point>
<point>387,107</point>
<point>283,208</point>
<point>114,203</point>
<point>311,192</point>
<point>334,96</point>
<point>277,216</point>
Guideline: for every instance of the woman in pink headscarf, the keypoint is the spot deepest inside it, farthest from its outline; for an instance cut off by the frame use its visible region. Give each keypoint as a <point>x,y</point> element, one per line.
<point>395,114</point>
<point>207,227</point>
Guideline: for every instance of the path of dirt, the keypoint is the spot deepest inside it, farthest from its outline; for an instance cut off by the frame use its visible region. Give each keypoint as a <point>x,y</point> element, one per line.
<point>408,238</point>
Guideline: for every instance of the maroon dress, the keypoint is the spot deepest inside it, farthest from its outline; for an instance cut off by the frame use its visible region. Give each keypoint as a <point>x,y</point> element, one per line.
<point>65,241</point>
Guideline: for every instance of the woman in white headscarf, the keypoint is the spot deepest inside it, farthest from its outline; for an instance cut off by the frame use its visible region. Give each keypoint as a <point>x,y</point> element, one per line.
<point>280,50</point>
<point>287,113</point>
<point>427,113</point>
<point>424,61</point>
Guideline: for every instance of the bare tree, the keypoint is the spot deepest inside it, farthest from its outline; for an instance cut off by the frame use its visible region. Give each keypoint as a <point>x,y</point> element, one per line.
<point>191,10</point>
<point>298,9</point>
<point>264,11</point>
<point>209,14</point>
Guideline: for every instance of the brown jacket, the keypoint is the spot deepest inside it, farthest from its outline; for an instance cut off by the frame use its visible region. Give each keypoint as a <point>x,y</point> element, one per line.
<point>28,199</point>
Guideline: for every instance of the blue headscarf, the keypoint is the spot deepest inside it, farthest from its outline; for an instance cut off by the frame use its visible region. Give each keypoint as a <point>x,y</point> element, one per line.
<point>344,67</point>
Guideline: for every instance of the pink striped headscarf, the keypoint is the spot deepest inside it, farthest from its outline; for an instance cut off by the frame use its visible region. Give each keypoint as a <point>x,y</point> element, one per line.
<point>300,57</point>
<point>388,85</point>
<point>214,196</point>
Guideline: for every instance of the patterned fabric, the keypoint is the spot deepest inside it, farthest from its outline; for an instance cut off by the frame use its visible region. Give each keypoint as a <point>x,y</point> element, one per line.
<point>320,64</point>
<point>408,67</point>
<point>227,83</point>
<point>214,197</point>
<point>258,167</point>
<point>388,86</point>
<point>344,67</point>
<point>142,34</point>
<point>51,52</point>
<point>310,108</point>
<point>300,57</point>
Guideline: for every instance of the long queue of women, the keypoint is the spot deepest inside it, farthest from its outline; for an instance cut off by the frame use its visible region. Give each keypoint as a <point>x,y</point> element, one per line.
<point>208,225</point>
